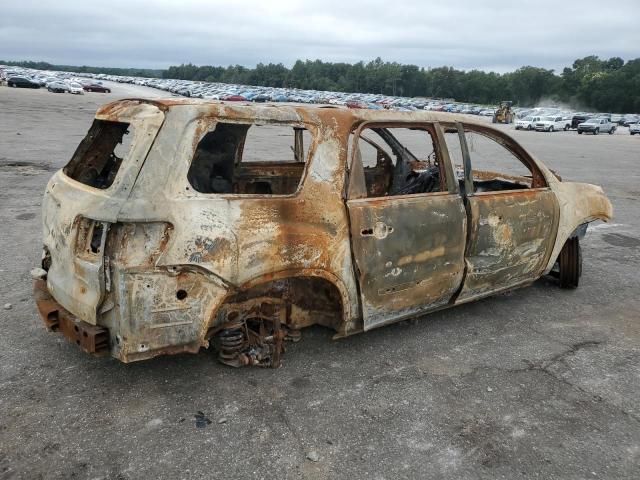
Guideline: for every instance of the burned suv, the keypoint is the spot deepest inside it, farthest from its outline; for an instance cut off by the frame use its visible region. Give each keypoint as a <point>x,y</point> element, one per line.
<point>182,224</point>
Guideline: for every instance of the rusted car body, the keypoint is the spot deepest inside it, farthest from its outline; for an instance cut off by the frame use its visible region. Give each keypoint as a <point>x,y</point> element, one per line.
<point>179,245</point>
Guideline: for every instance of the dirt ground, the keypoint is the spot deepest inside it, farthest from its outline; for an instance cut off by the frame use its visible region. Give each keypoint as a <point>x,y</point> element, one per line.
<point>538,383</point>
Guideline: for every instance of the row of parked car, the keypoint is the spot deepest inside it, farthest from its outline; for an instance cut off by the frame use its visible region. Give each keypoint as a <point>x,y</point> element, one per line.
<point>55,84</point>
<point>539,119</point>
<point>235,92</point>
<point>551,120</point>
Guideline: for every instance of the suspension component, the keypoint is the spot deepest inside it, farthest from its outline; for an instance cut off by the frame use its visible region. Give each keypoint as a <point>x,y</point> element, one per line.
<point>231,341</point>
<point>254,336</point>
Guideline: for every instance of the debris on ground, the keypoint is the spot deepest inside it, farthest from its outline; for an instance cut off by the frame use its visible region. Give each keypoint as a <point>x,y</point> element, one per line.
<point>201,420</point>
<point>313,456</point>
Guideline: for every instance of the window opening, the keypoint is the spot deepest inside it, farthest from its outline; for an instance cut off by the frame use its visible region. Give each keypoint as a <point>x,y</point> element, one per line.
<point>250,159</point>
<point>97,159</point>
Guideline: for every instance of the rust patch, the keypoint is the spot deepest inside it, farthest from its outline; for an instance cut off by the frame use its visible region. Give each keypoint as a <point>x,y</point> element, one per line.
<point>90,338</point>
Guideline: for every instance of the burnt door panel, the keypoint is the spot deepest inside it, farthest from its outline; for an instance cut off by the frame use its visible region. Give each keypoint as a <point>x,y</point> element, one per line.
<point>409,253</point>
<point>511,235</point>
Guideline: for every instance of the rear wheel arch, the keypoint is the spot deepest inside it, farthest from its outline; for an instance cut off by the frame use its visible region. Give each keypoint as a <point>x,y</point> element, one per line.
<point>310,297</point>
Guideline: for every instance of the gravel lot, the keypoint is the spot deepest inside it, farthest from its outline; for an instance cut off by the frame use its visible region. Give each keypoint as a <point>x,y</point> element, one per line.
<point>538,383</point>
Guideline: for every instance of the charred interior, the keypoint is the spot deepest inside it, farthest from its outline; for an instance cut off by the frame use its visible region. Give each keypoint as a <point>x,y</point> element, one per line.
<point>100,154</point>
<point>223,162</point>
<point>391,168</point>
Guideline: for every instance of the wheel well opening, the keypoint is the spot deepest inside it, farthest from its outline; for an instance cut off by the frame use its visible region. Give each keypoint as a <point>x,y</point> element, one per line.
<point>306,300</point>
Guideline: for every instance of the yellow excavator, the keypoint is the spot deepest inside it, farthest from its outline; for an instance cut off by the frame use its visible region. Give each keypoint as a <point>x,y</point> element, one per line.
<point>503,113</point>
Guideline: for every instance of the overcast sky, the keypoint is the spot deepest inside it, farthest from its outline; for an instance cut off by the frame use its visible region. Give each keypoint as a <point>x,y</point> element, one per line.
<point>498,35</point>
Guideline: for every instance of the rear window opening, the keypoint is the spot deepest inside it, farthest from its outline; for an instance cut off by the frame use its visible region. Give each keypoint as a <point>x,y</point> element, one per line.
<point>250,159</point>
<point>100,154</point>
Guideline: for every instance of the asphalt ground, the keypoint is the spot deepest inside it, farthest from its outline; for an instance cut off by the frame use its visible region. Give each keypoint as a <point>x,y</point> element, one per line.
<point>538,383</point>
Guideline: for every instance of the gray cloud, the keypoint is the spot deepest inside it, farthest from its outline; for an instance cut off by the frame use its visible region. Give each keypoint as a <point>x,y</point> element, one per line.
<point>490,34</point>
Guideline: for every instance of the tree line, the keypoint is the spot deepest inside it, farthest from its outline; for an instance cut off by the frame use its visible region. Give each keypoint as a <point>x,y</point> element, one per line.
<point>610,85</point>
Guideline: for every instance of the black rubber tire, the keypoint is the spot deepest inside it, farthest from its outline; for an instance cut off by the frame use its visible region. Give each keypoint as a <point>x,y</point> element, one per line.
<point>528,127</point>
<point>612,131</point>
<point>566,128</point>
<point>579,132</point>
<point>596,131</point>
<point>570,263</point>
<point>551,128</point>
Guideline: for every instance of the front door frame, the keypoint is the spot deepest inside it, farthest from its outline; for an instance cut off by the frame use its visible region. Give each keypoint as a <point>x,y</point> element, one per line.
<point>426,277</point>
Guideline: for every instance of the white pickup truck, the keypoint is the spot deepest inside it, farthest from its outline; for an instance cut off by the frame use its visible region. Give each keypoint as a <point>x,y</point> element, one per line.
<point>527,123</point>
<point>552,123</point>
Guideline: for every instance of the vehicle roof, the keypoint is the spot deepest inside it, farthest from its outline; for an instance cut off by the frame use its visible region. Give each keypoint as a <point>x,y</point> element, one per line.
<point>314,114</point>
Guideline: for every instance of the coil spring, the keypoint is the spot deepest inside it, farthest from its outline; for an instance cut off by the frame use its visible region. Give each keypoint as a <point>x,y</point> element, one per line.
<point>231,343</point>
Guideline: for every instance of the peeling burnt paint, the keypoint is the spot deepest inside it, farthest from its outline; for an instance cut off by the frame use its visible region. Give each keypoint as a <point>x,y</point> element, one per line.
<point>177,270</point>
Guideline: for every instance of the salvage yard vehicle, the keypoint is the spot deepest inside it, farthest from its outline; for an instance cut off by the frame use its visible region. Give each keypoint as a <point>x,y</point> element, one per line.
<point>22,82</point>
<point>503,113</point>
<point>75,88</point>
<point>579,118</point>
<point>597,125</point>
<point>58,87</point>
<point>634,128</point>
<point>96,87</point>
<point>552,124</point>
<point>182,224</point>
<point>527,123</point>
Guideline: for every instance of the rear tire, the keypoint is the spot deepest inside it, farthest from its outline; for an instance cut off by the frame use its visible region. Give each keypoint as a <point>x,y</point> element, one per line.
<point>566,128</point>
<point>579,132</point>
<point>570,263</point>
<point>612,131</point>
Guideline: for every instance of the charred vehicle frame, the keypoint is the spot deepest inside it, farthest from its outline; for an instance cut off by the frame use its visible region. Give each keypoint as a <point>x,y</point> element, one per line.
<point>178,244</point>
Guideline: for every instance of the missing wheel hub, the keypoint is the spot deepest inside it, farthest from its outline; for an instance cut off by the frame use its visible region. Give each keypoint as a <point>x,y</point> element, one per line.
<point>253,332</point>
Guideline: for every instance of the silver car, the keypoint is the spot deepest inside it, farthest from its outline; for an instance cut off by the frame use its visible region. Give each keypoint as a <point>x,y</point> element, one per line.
<point>596,126</point>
